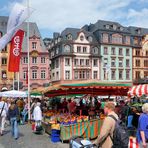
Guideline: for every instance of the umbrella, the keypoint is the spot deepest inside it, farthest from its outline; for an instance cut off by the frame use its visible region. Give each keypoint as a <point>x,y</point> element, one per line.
<point>13,94</point>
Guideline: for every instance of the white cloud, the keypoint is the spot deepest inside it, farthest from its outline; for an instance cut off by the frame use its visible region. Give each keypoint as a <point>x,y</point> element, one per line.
<point>56,15</point>
<point>138,18</point>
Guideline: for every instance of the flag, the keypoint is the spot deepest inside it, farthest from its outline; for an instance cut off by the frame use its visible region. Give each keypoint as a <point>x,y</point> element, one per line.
<point>17,16</point>
<point>15,51</point>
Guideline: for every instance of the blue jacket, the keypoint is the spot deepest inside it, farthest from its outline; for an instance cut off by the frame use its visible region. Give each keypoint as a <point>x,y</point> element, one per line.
<point>13,112</point>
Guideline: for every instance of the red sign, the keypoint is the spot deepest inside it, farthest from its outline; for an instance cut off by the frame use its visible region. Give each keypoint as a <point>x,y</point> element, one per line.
<point>15,51</point>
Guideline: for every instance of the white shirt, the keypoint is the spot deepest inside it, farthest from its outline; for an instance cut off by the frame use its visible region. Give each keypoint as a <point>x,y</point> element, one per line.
<point>37,113</point>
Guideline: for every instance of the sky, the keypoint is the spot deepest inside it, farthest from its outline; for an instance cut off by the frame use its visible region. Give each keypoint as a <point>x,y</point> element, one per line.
<point>56,15</point>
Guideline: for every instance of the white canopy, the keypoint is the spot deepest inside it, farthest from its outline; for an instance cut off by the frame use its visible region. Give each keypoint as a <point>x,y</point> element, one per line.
<point>13,94</point>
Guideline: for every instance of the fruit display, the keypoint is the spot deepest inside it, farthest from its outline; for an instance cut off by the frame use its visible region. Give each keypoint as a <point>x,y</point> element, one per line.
<point>53,117</point>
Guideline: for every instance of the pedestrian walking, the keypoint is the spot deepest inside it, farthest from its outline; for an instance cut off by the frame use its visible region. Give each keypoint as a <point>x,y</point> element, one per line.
<point>104,139</point>
<point>13,114</point>
<point>142,131</point>
<point>3,115</point>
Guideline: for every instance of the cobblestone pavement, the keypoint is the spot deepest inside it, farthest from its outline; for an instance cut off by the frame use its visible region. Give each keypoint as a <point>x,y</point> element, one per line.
<point>28,139</point>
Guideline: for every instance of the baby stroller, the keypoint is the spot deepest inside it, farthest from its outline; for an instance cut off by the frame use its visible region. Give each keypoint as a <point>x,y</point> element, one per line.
<point>80,142</point>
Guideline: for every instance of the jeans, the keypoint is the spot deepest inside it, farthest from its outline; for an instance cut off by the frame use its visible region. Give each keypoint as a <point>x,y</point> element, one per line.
<point>14,127</point>
<point>24,114</point>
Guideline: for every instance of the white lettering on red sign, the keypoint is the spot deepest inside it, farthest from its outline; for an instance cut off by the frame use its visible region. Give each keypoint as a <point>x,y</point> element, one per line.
<point>16,50</point>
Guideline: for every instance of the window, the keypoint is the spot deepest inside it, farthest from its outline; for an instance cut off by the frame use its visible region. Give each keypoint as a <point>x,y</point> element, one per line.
<point>67,48</point>
<point>113,74</point>
<point>87,74</point>
<point>34,45</point>
<point>105,62</point>
<point>67,61</point>
<point>137,53</point>
<point>135,40</point>
<point>107,26</point>
<point>34,74</point>
<point>75,74</point>
<point>127,63</point>
<point>84,49</point>
<point>117,39</point>
<point>120,62</point>
<point>105,37</point>
<point>127,52</point>
<point>34,60</point>
<point>120,51</point>
<point>4,74</point>
<point>57,50</point>
<point>4,61</point>
<point>81,37</point>
<point>146,63</point>
<point>105,50</point>
<point>145,73</point>
<point>43,59</point>
<point>87,62</point>
<point>114,27</point>
<point>25,60</point>
<point>120,74</point>
<point>76,62</point>
<point>137,63</point>
<point>95,74</point>
<point>113,63</point>
<point>95,62</point>
<point>67,75</point>
<point>43,74</point>
<point>57,75</point>
<point>113,51</point>
<point>146,53</point>
<point>57,63</point>
<point>90,39</point>
<point>78,49</point>
<point>127,40</point>
<point>137,74</point>
<point>81,62</point>
<point>4,49</point>
<point>95,50</point>
<point>127,74</point>
<point>69,37</point>
<point>25,74</point>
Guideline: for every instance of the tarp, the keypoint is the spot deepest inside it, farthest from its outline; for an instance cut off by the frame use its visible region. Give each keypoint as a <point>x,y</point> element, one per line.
<point>139,90</point>
<point>92,88</point>
<point>13,94</point>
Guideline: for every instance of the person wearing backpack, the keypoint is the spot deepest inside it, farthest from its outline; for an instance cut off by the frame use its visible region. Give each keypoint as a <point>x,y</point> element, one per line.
<point>104,139</point>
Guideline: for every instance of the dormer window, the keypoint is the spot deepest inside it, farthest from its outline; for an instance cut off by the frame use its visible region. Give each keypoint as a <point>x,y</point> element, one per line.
<point>90,39</point>
<point>107,26</point>
<point>121,28</point>
<point>69,37</point>
<point>81,37</point>
<point>114,27</point>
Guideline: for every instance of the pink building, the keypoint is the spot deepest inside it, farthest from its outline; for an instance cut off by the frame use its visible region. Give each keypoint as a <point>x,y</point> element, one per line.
<point>38,60</point>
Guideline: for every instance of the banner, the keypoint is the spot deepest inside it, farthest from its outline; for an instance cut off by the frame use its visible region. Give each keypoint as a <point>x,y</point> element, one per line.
<point>17,16</point>
<point>15,51</point>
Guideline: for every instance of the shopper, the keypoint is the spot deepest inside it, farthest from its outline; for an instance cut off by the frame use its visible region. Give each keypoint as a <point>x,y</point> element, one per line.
<point>3,114</point>
<point>37,114</point>
<point>104,139</point>
<point>142,131</point>
<point>13,114</point>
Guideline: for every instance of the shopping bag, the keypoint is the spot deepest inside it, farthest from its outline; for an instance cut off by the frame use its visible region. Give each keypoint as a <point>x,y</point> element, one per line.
<point>133,143</point>
<point>33,127</point>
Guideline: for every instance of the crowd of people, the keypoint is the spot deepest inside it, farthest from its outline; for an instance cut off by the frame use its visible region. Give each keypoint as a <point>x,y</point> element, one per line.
<point>15,111</point>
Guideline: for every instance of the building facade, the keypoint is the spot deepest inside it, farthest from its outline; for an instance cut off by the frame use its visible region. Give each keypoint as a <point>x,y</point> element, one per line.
<point>38,60</point>
<point>74,55</point>
<point>117,56</point>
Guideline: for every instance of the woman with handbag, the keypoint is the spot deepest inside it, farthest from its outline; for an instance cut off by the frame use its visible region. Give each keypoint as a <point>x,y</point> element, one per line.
<point>13,114</point>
